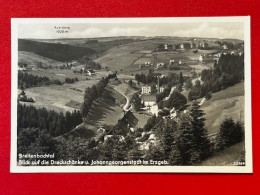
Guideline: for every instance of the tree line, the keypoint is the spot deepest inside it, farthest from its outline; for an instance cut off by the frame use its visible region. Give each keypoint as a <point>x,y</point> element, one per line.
<point>228,71</point>
<point>26,80</point>
<point>55,51</point>
<point>71,80</point>
<point>54,123</point>
<point>94,92</point>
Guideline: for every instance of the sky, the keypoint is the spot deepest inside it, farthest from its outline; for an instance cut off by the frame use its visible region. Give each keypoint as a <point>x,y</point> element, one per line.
<point>92,30</point>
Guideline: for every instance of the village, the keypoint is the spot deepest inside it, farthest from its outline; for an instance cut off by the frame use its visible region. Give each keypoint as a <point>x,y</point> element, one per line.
<point>160,80</point>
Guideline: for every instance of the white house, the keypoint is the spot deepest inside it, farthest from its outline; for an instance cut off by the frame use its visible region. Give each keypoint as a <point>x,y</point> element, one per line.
<point>162,88</point>
<point>146,89</point>
<point>149,100</point>
<point>171,62</point>
<point>201,58</point>
<point>91,72</point>
<point>225,47</point>
<point>159,65</point>
<point>147,64</point>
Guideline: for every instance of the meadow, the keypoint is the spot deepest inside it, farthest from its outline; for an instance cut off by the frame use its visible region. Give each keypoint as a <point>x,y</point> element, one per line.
<point>229,102</point>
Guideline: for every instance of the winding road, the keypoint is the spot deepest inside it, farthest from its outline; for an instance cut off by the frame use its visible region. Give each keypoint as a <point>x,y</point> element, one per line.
<point>127,106</point>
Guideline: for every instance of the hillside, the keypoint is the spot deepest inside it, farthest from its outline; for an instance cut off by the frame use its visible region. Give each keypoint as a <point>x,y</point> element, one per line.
<point>59,52</point>
<point>226,157</point>
<point>226,103</point>
<point>32,58</point>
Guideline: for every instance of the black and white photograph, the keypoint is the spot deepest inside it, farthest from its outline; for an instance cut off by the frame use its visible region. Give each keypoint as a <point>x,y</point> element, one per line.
<point>131,95</point>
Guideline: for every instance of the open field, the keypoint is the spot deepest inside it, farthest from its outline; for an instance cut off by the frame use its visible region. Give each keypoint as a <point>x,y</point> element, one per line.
<point>33,59</point>
<point>118,58</point>
<point>56,97</point>
<point>124,55</point>
<point>143,60</point>
<point>227,157</point>
<point>201,66</point>
<point>62,74</point>
<point>226,103</point>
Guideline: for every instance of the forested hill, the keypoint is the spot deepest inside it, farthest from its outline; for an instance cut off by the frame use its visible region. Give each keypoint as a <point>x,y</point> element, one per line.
<point>59,52</point>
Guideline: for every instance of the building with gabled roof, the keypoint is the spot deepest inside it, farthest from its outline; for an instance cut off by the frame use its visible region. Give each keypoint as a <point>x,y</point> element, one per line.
<point>127,122</point>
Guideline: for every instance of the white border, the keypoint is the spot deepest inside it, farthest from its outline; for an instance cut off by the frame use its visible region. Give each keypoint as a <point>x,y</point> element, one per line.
<point>126,169</point>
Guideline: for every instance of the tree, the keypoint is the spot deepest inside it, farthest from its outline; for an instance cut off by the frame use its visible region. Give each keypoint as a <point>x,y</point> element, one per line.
<point>185,142</point>
<point>135,153</point>
<point>181,79</point>
<point>229,134</point>
<point>137,102</point>
<point>200,133</point>
<point>176,100</point>
<point>150,123</point>
<point>130,82</point>
<point>175,157</point>
<point>155,153</point>
<point>168,139</point>
<point>188,84</point>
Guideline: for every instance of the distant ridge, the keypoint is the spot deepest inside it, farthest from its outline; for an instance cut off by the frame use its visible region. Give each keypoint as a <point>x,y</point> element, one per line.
<point>59,52</point>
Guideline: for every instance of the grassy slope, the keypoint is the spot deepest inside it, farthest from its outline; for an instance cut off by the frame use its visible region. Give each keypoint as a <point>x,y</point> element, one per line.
<point>120,57</point>
<point>33,59</point>
<point>226,103</point>
<point>55,97</point>
<point>105,110</point>
<point>227,157</point>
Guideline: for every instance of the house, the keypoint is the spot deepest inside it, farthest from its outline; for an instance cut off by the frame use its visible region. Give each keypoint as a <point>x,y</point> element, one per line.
<point>185,46</point>
<point>162,88</point>
<point>180,62</point>
<point>160,65</point>
<point>127,122</point>
<point>146,89</point>
<point>21,69</point>
<point>225,47</point>
<point>91,72</point>
<point>147,64</point>
<point>206,58</point>
<point>201,58</point>
<point>171,62</point>
<point>22,95</point>
<point>149,100</point>
<point>203,44</point>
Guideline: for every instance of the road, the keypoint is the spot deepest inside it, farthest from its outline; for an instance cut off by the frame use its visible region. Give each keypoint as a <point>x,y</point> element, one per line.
<point>127,105</point>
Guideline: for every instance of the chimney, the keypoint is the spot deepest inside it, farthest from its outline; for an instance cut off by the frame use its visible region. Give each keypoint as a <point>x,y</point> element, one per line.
<point>158,85</point>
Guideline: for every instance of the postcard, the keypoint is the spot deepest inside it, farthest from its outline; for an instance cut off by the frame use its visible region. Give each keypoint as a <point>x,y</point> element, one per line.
<point>168,95</point>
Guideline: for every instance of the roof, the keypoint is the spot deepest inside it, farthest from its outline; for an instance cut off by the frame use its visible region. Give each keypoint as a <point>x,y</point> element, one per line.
<point>91,71</point>
<point>128,121</point>
<point>149,98</point>
<point>164,85</point>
